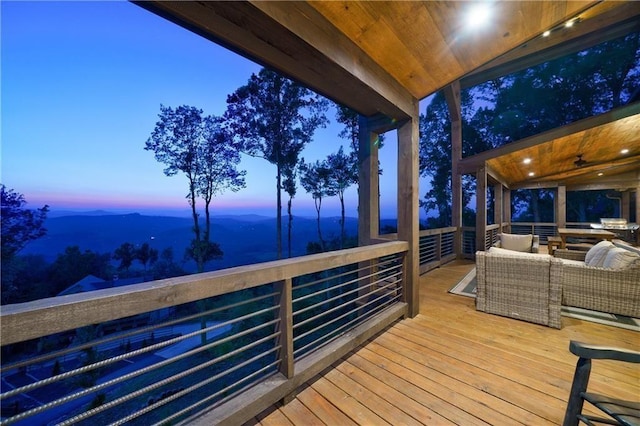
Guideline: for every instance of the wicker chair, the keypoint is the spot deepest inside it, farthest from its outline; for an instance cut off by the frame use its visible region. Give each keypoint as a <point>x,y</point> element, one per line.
<point>618,412</point>
<point>598,289</point>
<point>519,285</point>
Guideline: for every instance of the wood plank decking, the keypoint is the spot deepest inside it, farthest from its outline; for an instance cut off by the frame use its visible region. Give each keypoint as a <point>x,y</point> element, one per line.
<point>454,365</point>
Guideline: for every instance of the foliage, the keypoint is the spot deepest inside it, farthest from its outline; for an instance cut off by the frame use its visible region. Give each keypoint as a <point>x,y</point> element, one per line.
<point>19,225</point>
<point>522,104</point>
<point>315,178</point>
<point>126,254</point>
<point>590,206</point>
<point>73,265</point>
<point>165,266</point>
<point>343,173</point>
<point>25,278</point>
<point>146,255</point>
<point>201,148</point>
<point>289,185</point>
<point>274,118</point>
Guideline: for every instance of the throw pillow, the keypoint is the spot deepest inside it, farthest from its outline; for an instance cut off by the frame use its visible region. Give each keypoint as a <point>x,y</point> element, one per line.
<point>619,258</point>
<point>598,253</point>
<point>516,242</point>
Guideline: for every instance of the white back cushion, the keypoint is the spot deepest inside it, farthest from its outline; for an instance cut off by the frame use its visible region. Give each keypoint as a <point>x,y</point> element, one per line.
<point>516,242</point>
<point>598,253</point>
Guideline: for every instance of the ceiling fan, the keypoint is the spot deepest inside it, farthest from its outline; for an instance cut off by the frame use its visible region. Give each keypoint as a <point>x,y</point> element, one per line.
<point>579,162</point>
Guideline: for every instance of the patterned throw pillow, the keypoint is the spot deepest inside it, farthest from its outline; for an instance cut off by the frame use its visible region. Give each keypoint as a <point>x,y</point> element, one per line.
<point>598,253</point>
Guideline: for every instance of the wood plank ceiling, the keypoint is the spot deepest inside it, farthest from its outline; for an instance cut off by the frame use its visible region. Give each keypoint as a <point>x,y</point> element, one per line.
<point>381,57</point>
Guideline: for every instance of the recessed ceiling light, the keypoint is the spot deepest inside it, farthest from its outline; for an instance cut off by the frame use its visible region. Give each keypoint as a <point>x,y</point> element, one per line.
<point>546,33</point>
<point>569,24</point>
<point>624,151</point>
<point>531,174</point>
<point>479,15</point>
<point>527,161</point>
<point>600,174</point>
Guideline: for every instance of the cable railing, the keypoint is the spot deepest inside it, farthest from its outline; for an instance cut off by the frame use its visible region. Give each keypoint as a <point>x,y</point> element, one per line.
<point>436,247</point>
<point>229,343</point>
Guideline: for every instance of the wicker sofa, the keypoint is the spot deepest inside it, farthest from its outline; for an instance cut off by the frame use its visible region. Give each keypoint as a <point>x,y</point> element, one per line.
<point>599,289</point>
<point>532,287</point>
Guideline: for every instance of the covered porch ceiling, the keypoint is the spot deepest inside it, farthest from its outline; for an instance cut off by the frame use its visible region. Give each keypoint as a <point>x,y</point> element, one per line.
<point>381,57</point>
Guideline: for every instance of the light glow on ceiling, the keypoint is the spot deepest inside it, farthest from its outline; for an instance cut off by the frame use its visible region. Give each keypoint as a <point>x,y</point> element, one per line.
<point>624,151</point>
<point>478,15</point>
<point>546,33</point>
<point>527,161</point>
<point>531,174</point>
<point>600,174</point>
<point>569,24</point>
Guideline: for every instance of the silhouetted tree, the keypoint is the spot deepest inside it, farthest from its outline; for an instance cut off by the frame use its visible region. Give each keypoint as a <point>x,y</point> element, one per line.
<point>19,225</point>
<point>290,187</point>
<point>165,266</point>
<point>315,179</point>
<point>126,254</point>
<point>343,173</point>
<point>274,118</point>
<point>146,255</point>
<point>73,265</point>
<point>201,148</point>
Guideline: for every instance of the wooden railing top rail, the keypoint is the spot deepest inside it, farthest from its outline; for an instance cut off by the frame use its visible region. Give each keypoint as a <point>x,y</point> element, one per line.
<point>43,317</point>
<point>436,231</point>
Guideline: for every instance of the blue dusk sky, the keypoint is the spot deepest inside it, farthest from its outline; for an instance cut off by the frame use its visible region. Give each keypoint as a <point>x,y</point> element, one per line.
<point>81,87</point>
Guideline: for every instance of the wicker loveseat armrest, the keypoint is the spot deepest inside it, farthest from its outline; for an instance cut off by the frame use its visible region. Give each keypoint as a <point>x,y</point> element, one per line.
<point>605,290</point>
<point>570,254</point>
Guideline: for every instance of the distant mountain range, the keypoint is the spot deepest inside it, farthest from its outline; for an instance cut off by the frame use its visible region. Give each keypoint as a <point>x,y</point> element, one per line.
<point>244,239</point>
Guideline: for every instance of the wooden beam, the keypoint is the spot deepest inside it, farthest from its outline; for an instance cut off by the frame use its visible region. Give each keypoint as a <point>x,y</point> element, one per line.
<point>497,177</point>
<point>471,163</point>
<point>294,39</point>
<point>452,96</point>
<point>42,317</point>
<point>481,207</point>
<point>408,207</point>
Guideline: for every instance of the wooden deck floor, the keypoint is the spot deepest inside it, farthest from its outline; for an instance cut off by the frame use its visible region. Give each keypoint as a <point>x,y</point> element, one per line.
<point>454,365</point>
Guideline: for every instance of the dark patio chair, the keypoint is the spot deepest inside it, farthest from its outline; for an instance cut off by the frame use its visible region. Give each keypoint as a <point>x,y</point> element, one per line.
<point>619,412</point>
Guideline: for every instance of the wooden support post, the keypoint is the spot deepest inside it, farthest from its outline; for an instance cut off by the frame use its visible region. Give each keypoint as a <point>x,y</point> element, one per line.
<point>638,203</point>
<point>452,95</point>
<point>368,192</point>
<point>481,208</point>
<point>497,206</point>
<point>625,205</point>
<point>506,206</point>
<point>285,327</point>
<point>408,208</point>
<point>561,206</point>
<point>368,198</point>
